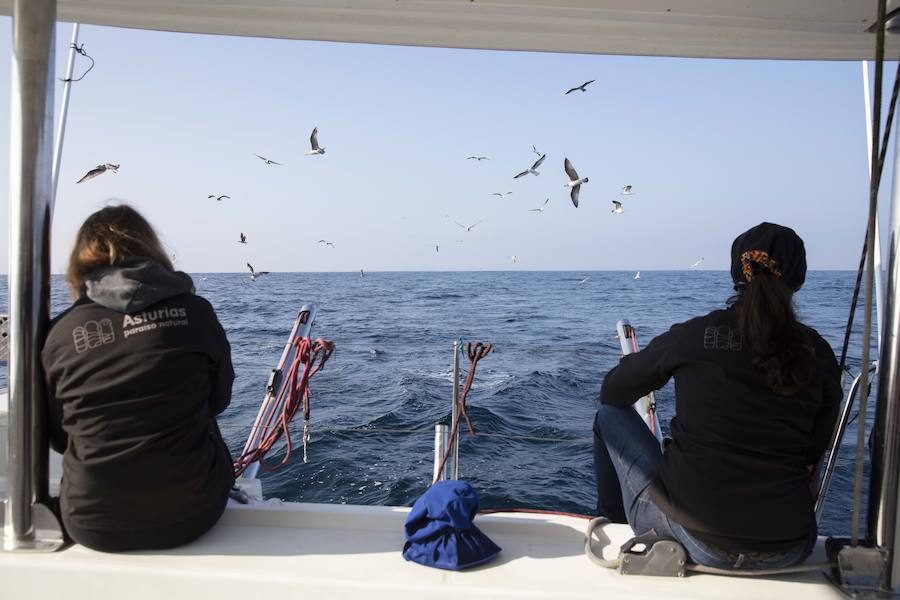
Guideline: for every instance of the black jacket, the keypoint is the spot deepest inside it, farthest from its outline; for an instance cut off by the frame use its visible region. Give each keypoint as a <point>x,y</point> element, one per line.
<point>735,474</point>
<point>136,371</point>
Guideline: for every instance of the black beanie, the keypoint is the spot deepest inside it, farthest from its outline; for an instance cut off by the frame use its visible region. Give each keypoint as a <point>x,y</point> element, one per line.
<point>769,247</point>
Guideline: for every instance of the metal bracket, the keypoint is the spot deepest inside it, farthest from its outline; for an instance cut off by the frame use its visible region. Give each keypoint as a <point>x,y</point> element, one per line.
<point>47,534</point>
<point>862,569</point>
<point>665,558</point>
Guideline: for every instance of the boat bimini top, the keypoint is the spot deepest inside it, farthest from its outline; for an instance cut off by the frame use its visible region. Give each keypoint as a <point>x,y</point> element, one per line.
<point>779,29</point>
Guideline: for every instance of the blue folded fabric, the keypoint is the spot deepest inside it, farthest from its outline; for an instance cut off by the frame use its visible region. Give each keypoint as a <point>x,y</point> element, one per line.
<point>439,529</point>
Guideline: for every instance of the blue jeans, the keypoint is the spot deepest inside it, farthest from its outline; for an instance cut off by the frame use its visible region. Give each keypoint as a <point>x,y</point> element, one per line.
<point>626,460</point>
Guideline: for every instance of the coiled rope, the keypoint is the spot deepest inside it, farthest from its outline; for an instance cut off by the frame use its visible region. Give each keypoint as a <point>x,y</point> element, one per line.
<point>310,357</point>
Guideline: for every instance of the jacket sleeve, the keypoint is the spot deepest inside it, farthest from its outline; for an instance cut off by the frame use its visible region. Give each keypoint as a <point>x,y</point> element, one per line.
<point>59,439</point>
<point>222,372</point>
<point>640,373</point>
<point>827,415</point>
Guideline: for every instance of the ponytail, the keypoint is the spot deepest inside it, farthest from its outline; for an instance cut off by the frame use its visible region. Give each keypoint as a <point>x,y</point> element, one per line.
<point>776,339</point>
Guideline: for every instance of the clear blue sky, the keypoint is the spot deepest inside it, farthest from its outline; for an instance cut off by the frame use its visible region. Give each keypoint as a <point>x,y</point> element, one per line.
<point>710,146</point>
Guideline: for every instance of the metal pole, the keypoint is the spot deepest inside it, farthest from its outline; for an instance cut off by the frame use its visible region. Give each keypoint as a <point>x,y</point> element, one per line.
<point>882,509</point>
<point>27,525</point>
<point>63,113</point>
<point>879,291</point>
<point>441,436</point>
<point>454,414</point>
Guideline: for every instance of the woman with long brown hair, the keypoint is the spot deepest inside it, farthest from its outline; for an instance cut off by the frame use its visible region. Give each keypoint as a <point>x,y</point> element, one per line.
<point>756,398</point>
<point>136,371</point>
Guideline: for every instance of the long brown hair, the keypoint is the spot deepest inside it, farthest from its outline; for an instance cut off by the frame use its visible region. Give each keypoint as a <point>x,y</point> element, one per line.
<point>778,342</point>
<point>106,238</point>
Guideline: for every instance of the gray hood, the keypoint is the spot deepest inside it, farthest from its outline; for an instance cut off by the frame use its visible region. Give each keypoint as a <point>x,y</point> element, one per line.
<point>134,284</point>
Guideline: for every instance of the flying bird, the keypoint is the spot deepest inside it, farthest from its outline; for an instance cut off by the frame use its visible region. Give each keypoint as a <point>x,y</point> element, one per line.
<point>478,158</point>
<point>254,275</point>
<point>218,198</point>
<point>314,144</point>
<point>501,195</point>
<point>514,258</point>
<point>617,207</point>
<point>327,243</point>
<point>696,264</point>
<point>574,181</point>
<point>542,208</point>
<point>99,170</point>
<point>580,87</point>
<point>626,191</point>
<point>437,248</point>
<point>266,160</point>
<point>584,280</point>
<point>466,227</point>
<point>637,275</point>
<point>533,170</point>
<point>243,238</point>
<point>362,273</point>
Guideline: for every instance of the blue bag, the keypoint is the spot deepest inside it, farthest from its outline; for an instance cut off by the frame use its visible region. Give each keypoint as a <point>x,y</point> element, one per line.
<point>439,529</point>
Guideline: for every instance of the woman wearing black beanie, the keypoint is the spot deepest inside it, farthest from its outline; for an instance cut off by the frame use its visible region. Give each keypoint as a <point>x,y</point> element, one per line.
<point>757,395</point>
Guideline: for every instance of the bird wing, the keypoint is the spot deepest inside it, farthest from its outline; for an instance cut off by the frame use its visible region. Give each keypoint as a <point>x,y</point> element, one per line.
<point>272,162</point>
<point>263,158</point>
<point>498,193</point>
<point>313,139</point>
<point>571,90</point>
<point>471,158</point>
<point>473,226</point>
<point>329,244</point>
<point>522,174</point>
<point>460,224</point>
<point>538,162</point>
<point>586,83</point>
<point>211,196</point>
<point>93,173</point>
<point>574,195</point>
<point>249,266</point>
<point>261,273</point>
<point>535,210</point>
<point>223,196</point>
<point>570,171</point>
<point>547,201</point>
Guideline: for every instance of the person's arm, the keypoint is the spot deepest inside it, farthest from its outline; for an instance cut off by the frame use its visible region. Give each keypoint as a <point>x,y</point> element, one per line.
<point>825,420</point>
<point>54,414</point>
<point>221,370</point>
<point>640,373</point>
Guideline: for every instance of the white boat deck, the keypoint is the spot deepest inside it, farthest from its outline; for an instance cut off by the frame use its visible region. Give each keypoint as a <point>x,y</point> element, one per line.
<point>334,551</point>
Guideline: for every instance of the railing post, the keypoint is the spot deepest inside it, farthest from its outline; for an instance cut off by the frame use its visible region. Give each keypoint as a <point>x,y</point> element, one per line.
<point>27,524</point>
<point>441,437</point>
<point>882,516</point>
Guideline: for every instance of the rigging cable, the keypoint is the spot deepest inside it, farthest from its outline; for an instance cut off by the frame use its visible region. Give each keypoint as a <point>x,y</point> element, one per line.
<point>474,354</point>
<point>310,357</point>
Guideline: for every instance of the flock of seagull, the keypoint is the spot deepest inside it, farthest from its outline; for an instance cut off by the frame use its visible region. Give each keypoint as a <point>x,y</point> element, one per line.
<point>574,184</point>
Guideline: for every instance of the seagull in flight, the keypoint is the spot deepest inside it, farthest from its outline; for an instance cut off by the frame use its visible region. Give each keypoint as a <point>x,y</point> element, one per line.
<point>437,248</point>
<point>580,87</point>
<point>533,170</point>
<point>542,208</point>
<point>514,258</point>
<point>478,158</point>
<point>99,170</point>
<point>466,227</point>
<point>327,243</point>
<point>574,182</point>
<point>362,273</point>
<point>243,238</point>
<point>314,144</point>
<point>254,275</point>
<point>696,264</point>
<point>617,207</point>
<point>266,160</point>
<point>626,191</point>
<point>637,275</point>
<point>218,198</point>
<point>584,280</point>
<point>501,195</point>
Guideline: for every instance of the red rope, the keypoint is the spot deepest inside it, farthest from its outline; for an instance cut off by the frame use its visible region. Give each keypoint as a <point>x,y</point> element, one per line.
<point>475,354</point>
<point>309,359</point>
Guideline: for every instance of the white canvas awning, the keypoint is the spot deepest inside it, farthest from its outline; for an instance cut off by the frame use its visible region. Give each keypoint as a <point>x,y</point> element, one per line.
<point>785,29</point>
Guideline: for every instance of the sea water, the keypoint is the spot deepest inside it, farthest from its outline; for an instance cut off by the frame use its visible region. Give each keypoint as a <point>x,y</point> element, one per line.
<point>554,337</point>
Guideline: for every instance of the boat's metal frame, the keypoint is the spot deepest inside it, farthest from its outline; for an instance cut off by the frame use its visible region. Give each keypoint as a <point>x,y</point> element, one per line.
<point>28,525</point>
